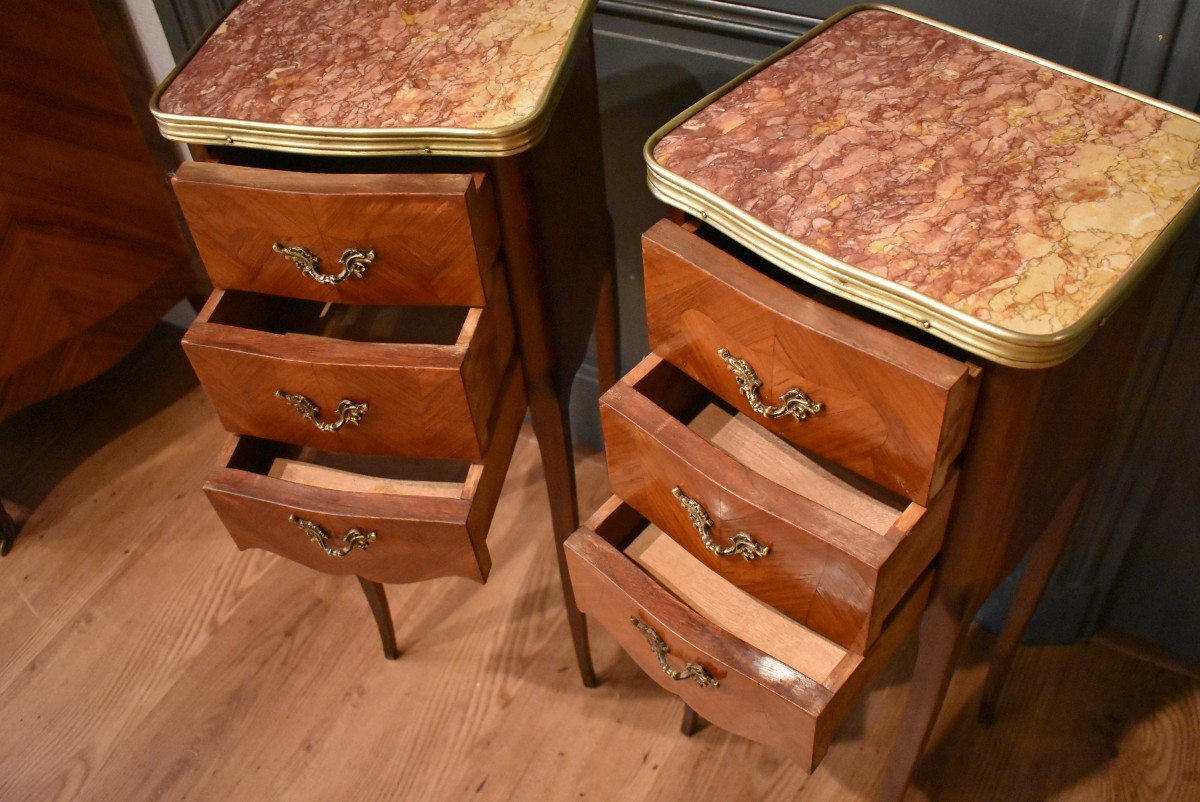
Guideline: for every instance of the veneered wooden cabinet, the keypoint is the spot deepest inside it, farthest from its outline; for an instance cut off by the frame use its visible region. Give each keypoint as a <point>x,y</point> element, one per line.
<point>890,316</point>
<point>763,583</point>
<point>309,365</point>
<point>394,282</point>
<point>91,253</point>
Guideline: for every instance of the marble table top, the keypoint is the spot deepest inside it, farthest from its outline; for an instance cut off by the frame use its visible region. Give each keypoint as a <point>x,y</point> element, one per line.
<point>1006,197</point>
<point>332,72</point>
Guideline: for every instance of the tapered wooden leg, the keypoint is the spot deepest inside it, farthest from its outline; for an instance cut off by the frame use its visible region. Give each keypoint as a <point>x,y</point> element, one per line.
<point>552,427</point>
<point>8,531</point>
<point>608,322</point>
<point>941,638</point>
<point>1033,435</point>
<point>377,598</point>
<point>692,722</point>
<point>558,248</point>
<point>547,397</point>
<point>1043,557</point>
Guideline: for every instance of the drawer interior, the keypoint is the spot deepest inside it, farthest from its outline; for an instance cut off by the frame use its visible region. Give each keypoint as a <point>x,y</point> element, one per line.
<point>430,376</point>
<point>842,550</point>
<point>736,611</point>
<point>827,484</point>
<point>431,515</point>
<point>820,481</point>
<point>270,314</point>
<point>356,473</point>
<point>278,161</point>
<point>780,683</point>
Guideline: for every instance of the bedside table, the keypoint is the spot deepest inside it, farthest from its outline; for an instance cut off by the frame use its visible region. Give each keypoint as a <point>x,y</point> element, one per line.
<point>890,320</point>
<point>377,199</point>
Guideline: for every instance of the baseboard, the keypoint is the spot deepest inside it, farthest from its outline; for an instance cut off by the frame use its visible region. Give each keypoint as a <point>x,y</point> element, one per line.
<point>585,408</point>
<point>1060,618</point>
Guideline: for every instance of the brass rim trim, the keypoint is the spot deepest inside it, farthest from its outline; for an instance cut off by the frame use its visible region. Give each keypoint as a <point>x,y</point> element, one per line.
<point>505,140</point>
<point>992,342</point>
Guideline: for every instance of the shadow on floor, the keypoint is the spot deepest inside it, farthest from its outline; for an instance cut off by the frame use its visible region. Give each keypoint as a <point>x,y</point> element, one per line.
<point>44,443</point>
<point>1070,718</point>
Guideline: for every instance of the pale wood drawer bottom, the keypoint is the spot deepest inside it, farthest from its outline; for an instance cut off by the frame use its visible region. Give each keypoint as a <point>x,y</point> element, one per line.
<point>778,682</point>
<point>429,518</point>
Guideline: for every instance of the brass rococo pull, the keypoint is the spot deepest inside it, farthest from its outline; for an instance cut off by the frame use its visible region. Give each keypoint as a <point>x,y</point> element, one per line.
<point>794,402</point>
<point>347,411</point>
<point>353,539</point>
<point>692,671</point>
<point>741,543</point>
<point>353,261</point>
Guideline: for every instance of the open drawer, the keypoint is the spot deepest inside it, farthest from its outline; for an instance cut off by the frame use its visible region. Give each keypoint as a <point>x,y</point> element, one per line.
<point>385,519</point>
<point>399,239</point>
<point>400,381</point>
<point>738,663</point>
<point>816,542</point>
<point>888,408</point>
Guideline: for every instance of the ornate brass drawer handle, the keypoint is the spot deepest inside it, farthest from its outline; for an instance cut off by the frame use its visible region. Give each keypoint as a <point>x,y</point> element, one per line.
<point>741,543</point>
<point>661,650</point>
<point>794,402</point>
<point>354,539</point>
<point>347,411</point>
<point>353,261</point>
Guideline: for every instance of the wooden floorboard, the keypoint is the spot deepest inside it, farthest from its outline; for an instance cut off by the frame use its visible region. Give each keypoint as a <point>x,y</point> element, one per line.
<point>142,656</point>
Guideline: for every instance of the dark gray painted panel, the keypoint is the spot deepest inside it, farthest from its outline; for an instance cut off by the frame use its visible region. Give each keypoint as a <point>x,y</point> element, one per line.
<point>1181,83</point>
<point>644,80</point>
<point>648,71</point>
<point>1153,584</point>
<point>1151,40</point>
<point>737,21</point>
<point>184,21</point>
<point>1085,34</point>
<point>1155,596</point>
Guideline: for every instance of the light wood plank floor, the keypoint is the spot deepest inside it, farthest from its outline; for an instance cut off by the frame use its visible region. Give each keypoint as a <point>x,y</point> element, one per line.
<point>142,656</point>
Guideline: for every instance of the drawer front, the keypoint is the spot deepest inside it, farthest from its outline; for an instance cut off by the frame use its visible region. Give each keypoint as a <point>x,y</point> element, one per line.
<point>377,239</point>
<point>756,695</point>
<point>405,540</point>
<point>389,537</point>
<point>891,410</point>
<point>813,563</point>
<point>412,400</point>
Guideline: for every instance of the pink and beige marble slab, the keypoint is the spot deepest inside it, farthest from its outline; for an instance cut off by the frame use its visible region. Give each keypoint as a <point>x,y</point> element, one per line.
<point>471,66</point>
<point>979,179</point>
